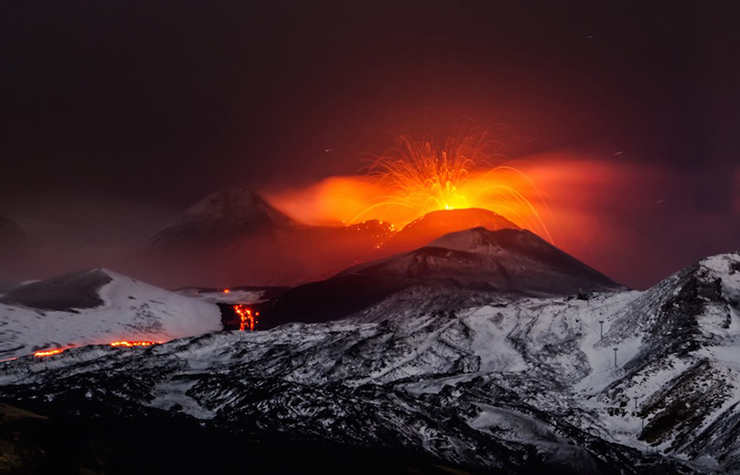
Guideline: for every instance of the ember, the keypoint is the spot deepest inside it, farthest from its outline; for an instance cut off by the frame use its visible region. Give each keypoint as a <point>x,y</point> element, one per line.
<point>246,317</point>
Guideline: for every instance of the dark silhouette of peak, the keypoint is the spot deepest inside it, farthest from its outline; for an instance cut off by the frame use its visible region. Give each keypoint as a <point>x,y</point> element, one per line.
<point>222,216</point>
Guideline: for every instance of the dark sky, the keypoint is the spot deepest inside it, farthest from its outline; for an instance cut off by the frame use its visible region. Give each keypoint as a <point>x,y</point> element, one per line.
<point>159,103</point>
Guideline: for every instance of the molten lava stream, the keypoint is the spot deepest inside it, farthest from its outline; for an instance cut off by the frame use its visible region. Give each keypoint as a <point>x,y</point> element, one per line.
<point>122,343</point>
<point>55,351</point>
<point>129,344</point>
<point>247,318</point>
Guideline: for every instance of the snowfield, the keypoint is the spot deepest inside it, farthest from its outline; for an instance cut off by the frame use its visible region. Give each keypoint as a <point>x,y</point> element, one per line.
<point>97,307</point>
<point>515,384</point>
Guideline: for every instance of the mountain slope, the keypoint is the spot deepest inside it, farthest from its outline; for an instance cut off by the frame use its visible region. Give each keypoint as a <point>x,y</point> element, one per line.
<point>96,307</point>
<point>234,237</point>
<point>458,270</point>
<point>485,388</point>
<point>512,385</point>
<point>508,260</point>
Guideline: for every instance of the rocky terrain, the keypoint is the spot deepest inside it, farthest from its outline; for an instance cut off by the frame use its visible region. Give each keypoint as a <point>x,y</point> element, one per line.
<point>515,384</point>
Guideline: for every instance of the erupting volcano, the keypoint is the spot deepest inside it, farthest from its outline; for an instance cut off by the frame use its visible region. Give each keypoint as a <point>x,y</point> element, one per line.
<point>419,177</point>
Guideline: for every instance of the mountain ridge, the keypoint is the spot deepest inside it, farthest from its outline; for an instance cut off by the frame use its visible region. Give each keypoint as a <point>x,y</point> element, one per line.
<point>513,386</point>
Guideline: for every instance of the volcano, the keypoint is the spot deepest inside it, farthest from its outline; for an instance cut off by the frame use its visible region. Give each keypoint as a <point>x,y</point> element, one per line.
<point>507,260</point>
<point>421,231</point>
<point>455,270</point>
<point>220,217</point>
<point>235,237</point>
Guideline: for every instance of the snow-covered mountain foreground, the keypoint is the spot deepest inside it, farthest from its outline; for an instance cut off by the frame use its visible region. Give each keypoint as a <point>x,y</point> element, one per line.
<point>516,385</point>
<point>96,307</point>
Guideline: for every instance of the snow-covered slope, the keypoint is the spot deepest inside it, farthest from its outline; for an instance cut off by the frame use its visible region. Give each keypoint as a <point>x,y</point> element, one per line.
<point>516,386</point>
<point>94,307</point>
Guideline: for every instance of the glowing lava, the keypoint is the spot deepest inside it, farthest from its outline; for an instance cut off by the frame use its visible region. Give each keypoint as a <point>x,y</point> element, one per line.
<point>132,343</point>
<point>247,318</point>
<point>122,343</point>
<point>44,353</point>
<point>418,177</point>
<point>421,176</point>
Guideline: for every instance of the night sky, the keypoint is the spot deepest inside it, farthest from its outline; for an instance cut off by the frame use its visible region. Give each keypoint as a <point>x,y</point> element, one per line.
<point>122,113</point>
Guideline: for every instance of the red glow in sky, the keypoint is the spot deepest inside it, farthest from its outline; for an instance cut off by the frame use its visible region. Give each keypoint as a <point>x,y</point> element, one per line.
<point>419,177</point>
<point>608,213</point>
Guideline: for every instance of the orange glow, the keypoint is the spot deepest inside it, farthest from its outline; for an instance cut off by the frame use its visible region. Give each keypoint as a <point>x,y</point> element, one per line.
<point>55,351</point>
<point>122,343</point>
<point>132,343</point>
<point>247,318</point>
<point>419,177</point>
<point>226,291</point>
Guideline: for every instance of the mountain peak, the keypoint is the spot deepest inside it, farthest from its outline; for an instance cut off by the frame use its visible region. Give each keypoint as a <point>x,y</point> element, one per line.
<point>482,240</point>
<point>223,215</point>
<point>510,260</point>
<point>421,231</point>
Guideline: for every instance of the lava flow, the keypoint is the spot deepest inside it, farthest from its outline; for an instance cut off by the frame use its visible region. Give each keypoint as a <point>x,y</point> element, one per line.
<point>133,343</point>
<point>122,343</point>
<point>43,353</point>
<point>247,318</point>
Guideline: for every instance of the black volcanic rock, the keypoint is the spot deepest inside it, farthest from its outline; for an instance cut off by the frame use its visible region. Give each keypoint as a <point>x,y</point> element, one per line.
<point>222,216</point>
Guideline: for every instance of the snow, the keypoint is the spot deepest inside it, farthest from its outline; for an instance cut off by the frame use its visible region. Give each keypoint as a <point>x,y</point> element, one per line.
<point>531,371</point>
<point>131,310</point>
<point>172,396</point>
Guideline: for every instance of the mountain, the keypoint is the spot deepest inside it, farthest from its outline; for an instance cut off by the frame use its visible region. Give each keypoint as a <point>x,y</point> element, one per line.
<point>221,216</point>
<point>96,307</point>
<point>459,269</point>
<point>508,260</point>
<point>234,237</point>
<point>522,385</point>
<point>421,231</point>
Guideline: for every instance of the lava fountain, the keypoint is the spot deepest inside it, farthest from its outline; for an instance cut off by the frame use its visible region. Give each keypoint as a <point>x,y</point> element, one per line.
<point>418,177</point>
